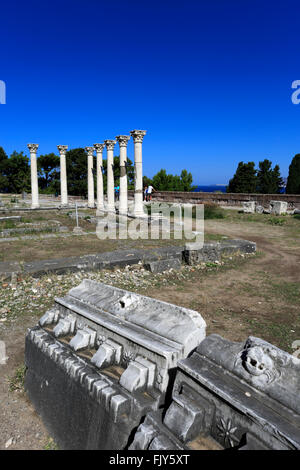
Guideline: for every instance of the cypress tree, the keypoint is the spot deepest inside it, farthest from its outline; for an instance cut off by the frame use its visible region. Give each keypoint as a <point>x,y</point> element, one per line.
<point>293,182</point>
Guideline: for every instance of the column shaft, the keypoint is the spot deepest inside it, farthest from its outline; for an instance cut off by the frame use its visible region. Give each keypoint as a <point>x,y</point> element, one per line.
<point>100,198</point>
<point>91,197</point>
<point>63,175</point>
<point>110,176</point>
<point>34,178</point>
<point>138,177</point>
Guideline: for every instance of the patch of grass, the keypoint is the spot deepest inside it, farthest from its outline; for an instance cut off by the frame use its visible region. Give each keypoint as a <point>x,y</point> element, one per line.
<point>51,445</point>
<point>16,382</point>
<point>212,211</point>
<point>8,224</point>
<point>276,221</point>
<point>296,216</point>
<point>289,291</point>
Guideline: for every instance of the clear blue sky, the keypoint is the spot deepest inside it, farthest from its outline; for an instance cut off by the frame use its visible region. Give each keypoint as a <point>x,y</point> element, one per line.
<point>210,80</point>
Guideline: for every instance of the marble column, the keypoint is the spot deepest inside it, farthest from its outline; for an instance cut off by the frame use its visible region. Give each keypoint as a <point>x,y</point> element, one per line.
<point>34,177</point>
<point>63,175</point>
<point>123,141</point>
<point>138,136</point>
<point>90,177</point>
<point>110,175</point>
<point>100,198</point>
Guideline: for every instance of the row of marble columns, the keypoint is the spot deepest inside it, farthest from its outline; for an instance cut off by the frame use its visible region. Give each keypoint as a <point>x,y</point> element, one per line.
<point>138,211</point>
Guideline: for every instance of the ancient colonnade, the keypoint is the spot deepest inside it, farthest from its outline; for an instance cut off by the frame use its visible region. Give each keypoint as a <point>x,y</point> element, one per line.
<point>122,140</point>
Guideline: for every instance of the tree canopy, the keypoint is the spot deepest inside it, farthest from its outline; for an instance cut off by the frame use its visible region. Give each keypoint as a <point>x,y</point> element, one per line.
<point>265,180</point>
<point>293,182</point>
<point>168,182</point>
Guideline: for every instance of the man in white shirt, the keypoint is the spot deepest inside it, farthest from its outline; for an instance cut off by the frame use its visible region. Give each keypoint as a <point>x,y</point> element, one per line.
<point>149,192</point>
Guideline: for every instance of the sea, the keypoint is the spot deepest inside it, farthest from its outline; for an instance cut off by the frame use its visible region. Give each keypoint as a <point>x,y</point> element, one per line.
<point>211,189</point>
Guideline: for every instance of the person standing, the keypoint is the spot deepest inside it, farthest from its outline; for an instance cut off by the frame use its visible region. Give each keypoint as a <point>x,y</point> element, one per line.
<point>145,193</point>
<point>149,192</point>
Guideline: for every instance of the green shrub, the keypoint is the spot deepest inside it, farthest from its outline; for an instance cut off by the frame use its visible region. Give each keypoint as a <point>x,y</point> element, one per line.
<point>276,221</point>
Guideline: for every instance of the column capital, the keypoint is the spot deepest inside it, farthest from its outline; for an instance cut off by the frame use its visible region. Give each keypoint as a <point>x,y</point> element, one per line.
<point>110,144</point>
<point>138,135</point>
<point>99,147</point>
<point>62,149</point>
<point>89,150</point>
<point>123,140</point>
<point>33,147</point>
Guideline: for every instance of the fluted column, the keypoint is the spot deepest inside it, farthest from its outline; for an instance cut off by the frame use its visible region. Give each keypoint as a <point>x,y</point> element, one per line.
<point>123,141</point>
<point>91,197</point>
<point>138,136</point>
<point>110,175</point>
<point>63,175</point>
<point>100,199</point>
<point>34,178</point>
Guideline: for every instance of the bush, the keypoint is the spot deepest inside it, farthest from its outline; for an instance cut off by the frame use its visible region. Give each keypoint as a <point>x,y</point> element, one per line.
<point>276,221</point>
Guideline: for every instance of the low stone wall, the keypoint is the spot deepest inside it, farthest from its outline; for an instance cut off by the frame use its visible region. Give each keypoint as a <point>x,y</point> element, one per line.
<point>190,254</point>
<point>225,199</point>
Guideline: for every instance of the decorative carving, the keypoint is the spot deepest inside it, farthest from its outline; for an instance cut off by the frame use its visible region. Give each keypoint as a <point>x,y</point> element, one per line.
<point>62,149</point>
<point>226,431</point>
<point>127,357</point>
<point>123,140</point>
<point>110,144</point>
<point>33,147</point>
<point>138,136</point>
<point>100,339</point>
<point>99,147</point>
<point>261,361</point>
<point>89,150</point>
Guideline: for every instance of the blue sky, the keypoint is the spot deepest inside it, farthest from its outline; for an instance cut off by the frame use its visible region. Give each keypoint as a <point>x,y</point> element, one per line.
<point>210,80</point>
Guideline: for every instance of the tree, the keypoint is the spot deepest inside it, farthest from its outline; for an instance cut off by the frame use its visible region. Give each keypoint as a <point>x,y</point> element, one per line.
<point>76,165</point>
<point>168,182</point>
<point>293,181</point>
<point>269,180</point>
<point>186,181</point>
<point>17,172</point>
<point>244,179</point>
<point>48,166</point>
<point>3,166</point>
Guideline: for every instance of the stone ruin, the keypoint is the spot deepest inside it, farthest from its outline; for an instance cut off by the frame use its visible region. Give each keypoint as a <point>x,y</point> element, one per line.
<point>111,369</point>
<point>275,208</point>
<point>101,359</point>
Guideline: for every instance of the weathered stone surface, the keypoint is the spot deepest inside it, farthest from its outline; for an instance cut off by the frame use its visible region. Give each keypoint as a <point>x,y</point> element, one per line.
<point>100,261</point>
<point>240,395</point>
<point>249,207</point>
<point>209,252</point>
<point>278,207</point>
<point>238,245</point>
<point>163,265</point>
<point>101,358</point>
<point>259,209</point>
<point>12,218</point>
<point>8,269</point>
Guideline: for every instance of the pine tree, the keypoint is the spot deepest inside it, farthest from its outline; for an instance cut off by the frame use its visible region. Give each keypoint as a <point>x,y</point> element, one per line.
<point>269,180</point>
<point>293,182</point>
<point>244,179</point>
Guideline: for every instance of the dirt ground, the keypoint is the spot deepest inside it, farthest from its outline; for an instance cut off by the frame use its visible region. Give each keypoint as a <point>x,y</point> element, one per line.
<point>259,296</point>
